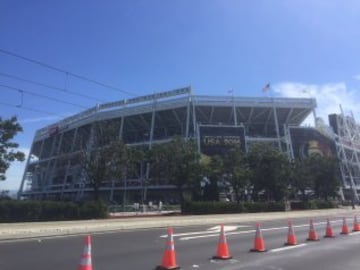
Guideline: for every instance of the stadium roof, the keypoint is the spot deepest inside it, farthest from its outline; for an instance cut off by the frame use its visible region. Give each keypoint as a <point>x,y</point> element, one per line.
<point>174,104</point>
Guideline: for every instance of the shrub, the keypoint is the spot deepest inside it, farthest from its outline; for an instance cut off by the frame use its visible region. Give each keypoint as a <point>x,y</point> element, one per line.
<point>21,211</point>
<point>312,204</point>
<point>197,208</point>
<point>92,210</point>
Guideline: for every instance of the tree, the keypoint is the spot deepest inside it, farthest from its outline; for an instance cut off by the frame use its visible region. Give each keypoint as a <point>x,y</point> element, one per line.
<point>214,172</point>
<point>317,174</point>
<point>127,161</point>
<point>135,164</point>
<point>326,176</point>
<point>302,177</point>
<point>237,172</point>
<point>8,130</point>
<point>176,163</point>
<point>271,172</point>
<point>104,159</point>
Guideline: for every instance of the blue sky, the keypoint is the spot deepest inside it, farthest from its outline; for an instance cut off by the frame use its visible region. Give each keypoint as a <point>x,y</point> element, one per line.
<point>143,46</point>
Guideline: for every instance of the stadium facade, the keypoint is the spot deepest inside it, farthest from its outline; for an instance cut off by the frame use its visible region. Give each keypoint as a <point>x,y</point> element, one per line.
<point>215,122</point>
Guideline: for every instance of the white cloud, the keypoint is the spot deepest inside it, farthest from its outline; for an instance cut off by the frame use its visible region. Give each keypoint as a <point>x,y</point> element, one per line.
<point>328,96</point>
<point>15,173</point>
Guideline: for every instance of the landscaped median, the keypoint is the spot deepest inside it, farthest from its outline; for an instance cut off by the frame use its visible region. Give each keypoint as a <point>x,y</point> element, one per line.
<point>9,231</point>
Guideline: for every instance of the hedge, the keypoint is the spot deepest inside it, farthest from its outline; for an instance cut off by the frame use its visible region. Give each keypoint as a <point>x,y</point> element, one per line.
<point>312,204</point>
<point>23,211</point>
<point>214,207</point>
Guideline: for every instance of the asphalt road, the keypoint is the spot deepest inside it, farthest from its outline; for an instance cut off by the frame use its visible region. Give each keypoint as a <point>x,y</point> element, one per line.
<point>194,246</point>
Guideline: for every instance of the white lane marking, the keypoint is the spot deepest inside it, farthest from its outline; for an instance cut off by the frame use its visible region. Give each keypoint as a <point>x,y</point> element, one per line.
<point>227,228</point>
<point>198,237</point>
<point>210,234</point>
<point>287,248</point>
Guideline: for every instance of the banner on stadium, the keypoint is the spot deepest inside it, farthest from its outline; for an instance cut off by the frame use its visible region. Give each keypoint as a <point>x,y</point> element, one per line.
<point>308,141</point>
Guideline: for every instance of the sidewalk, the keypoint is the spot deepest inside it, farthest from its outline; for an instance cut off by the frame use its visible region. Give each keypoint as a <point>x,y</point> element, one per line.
<point>10,231</point>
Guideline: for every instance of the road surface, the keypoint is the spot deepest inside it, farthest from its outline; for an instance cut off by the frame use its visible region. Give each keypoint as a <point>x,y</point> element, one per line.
<point>194,247</point>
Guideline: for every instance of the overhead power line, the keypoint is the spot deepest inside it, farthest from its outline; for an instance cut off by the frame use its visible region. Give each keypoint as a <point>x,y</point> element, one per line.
<point>39,95</point>
<point>65,72</point>
<point>28,109</point>
<point>50,86</point>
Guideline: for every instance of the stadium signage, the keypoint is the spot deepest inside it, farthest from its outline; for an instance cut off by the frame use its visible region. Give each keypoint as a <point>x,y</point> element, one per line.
<point>222,140</point>
<point>175,92</point>
<point>217,140</point>
<point>50,131</point>
<point>180,91</point>
<point>53,130</point>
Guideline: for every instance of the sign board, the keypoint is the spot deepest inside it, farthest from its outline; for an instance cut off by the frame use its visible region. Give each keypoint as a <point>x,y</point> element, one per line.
<point>308,141</point>
<point>166,94</point>
<point>217,140</point>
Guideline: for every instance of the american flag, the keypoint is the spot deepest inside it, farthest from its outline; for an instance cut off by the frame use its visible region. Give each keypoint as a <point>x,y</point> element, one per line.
<point>266,87</point>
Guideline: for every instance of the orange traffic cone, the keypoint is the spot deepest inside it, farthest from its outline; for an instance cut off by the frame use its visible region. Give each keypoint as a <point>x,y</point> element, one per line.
<point>313,236</point>
<point>329,231</point>
<point>345,228</point>
<point>356,226</point>
<point>291,238</point>
<point>85,262</point>
<point>169,257</point>
<point>222,248</point>
<point>259,244</point>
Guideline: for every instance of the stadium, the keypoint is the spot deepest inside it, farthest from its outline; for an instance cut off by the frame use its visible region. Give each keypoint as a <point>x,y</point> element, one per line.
<point>214,122</point>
